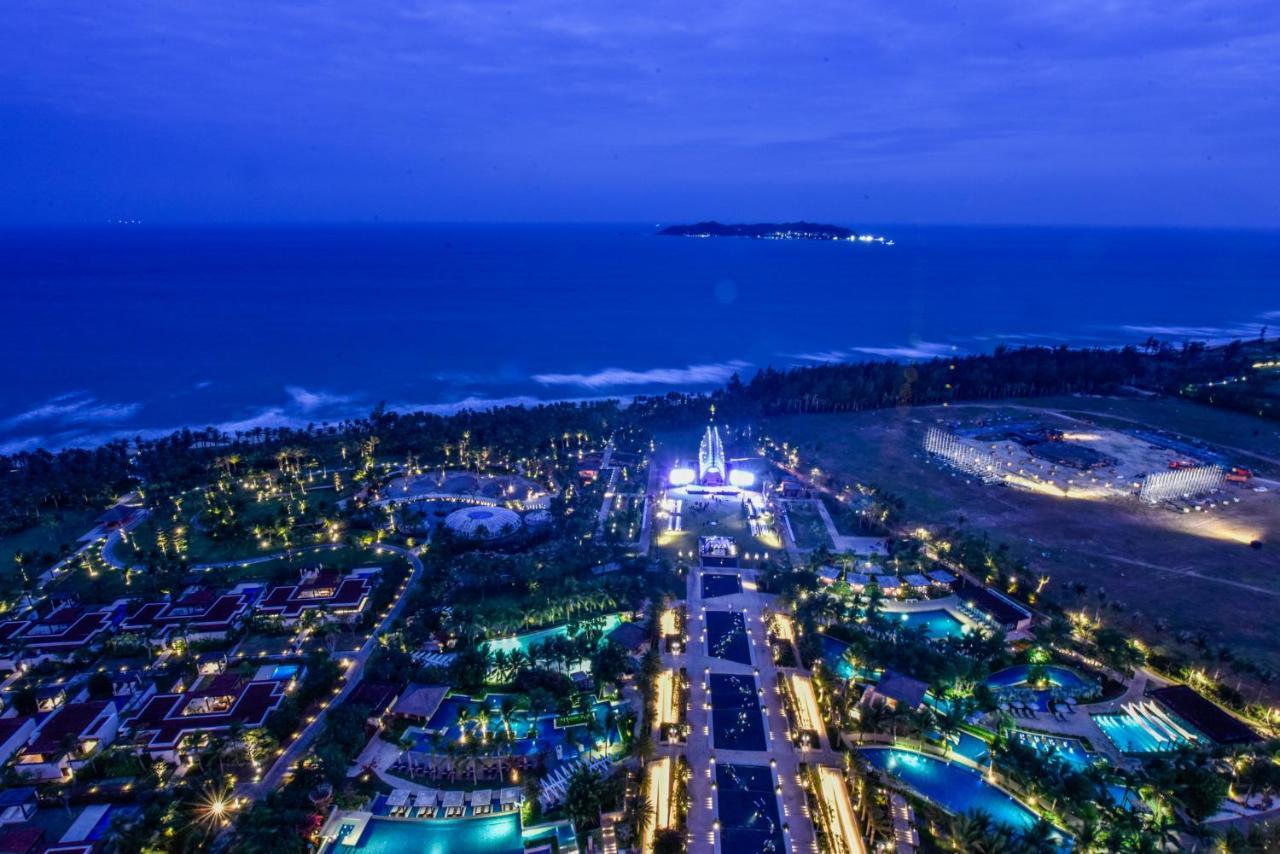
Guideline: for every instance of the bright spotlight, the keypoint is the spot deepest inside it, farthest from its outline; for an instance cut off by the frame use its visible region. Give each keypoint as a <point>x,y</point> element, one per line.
<point>741,479</point>
<point>682,476</point>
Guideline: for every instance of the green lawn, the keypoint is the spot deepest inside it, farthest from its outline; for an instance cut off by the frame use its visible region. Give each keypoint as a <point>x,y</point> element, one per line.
<point>807,526</point>
<point>57,535</point>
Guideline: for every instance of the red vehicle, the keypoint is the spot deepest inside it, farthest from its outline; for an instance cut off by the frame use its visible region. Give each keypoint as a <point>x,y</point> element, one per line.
<point>1239,474</point>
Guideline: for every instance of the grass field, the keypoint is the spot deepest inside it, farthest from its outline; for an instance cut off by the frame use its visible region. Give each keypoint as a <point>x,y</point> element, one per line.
<point>1184,573</point>
<point>807,526</point>
<point>57,535</point>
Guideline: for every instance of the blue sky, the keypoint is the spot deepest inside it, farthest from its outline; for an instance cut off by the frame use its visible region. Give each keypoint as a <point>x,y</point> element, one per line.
<point>1125,113</point>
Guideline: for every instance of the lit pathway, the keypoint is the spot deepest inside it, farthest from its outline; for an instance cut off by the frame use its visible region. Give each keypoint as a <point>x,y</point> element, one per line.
<point>355,670</point>
<point>700,751</point>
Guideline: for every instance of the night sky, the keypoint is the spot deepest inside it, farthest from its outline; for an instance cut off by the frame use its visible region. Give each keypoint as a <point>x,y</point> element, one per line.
<point>1032,111</point>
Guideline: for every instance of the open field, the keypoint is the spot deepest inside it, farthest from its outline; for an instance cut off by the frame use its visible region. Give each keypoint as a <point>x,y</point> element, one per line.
<point>1191,573</point>
<point>56,536</point>
<point>807,525</point>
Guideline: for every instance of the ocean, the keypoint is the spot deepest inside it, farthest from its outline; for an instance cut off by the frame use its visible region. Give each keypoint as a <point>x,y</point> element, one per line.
<point>128,329</point>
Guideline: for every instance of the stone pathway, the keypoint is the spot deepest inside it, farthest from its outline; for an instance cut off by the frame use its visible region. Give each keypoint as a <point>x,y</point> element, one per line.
<point>700,750</point>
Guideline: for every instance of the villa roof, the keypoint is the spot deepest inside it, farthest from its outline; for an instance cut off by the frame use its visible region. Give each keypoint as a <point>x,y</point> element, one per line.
<point>290,600</point>
<point>420,701</point>
<point>74,720</point>
<point>200,610</point>
<point>857,579</point>
<point>451,798</point>
<point>999,607</point>
<point>901,688</point>
<point>161,724</point>
<point>941,576</point>
<point>20,839</point>
<point>915,579</point>
<point>66,629</point>
<point>1208,717</point>
<point>377,697</point>
<point>629,635</point>
<point>887,582</point>
<point>16,797</point>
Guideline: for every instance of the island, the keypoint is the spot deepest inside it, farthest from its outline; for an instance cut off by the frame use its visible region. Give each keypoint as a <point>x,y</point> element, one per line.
<point>770,231</point>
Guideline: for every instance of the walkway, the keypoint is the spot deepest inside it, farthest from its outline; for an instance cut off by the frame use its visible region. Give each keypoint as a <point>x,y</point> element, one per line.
<point>699,750</point>
<point>355,670</point>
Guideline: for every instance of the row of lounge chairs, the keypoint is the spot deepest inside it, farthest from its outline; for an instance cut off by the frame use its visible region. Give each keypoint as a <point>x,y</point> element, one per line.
<point>556,785</point>
<point>451,803</point>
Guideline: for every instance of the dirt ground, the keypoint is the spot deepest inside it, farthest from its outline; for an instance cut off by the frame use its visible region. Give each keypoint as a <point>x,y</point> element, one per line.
<point>1194,573</point>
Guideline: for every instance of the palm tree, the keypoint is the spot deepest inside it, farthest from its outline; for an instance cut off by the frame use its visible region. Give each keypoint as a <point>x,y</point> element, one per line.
<point>968,830</point>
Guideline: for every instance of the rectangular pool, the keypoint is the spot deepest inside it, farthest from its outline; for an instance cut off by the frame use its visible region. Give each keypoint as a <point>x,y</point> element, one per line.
<point>748,810</point>
<point>720,584</point>
<point>498,834</point>
<point>736,723</point>
<point>727,636</point>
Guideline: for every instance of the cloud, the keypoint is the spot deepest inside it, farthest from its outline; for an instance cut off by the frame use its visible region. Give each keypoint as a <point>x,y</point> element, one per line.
<point>825,356</point>
<point>310,400</point>
<point>709,374</point>
<point>915,350</point>
<point>75,407</point>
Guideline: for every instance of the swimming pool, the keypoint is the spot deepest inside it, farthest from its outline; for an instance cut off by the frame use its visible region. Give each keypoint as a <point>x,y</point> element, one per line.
<point>727,636</point>
<point>736,723</point>
<point>937,622</point>
<point>528,639</point>
<point>748,809</point>
<point>284,671</point>
<point>1069,750</point>
<point>1144,729</point>
<point>1056,675</point>
<point>530,733</point>
<point>956,788</point>
<point>499,834</point>
<point>720,584</point>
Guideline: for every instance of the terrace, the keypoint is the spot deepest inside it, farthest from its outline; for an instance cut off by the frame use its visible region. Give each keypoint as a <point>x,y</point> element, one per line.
<point>166,720</point>
<point>323,590</point>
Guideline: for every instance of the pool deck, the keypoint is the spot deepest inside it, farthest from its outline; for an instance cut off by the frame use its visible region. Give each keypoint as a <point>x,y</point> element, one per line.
<point>699,750</point>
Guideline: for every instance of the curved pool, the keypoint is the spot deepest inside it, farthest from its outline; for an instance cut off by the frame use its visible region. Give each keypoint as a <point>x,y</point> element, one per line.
<point>956,788</point>
<point>1058,676</point>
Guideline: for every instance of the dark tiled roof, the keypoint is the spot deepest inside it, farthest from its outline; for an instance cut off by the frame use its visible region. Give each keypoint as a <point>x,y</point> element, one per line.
<point>901,688</point>
<point>70,720</point>
<point>1204,715</point>
<point>161,725</point>
<point>200,611</point>
<point>289,600</point>
<point>66,629</point>
<point>629,635</point>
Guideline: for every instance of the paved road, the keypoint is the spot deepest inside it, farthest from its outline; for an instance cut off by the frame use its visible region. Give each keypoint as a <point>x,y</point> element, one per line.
<point>299,747</point>
<point>700,749</point>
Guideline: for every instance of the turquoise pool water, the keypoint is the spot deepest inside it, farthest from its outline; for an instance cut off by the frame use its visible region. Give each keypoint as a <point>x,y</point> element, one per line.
<point>528,639</point>
<point>1069,750</point>
<point>284,671</point>
<point>727,636</point>
<point>498,834</point>
<point>1058,676</point>
<point>1132,734</point>
<point>938,622</point>
<point>956,788</point>
<point>748,810</point>
<point>531,733</point>
<point>736,723</point>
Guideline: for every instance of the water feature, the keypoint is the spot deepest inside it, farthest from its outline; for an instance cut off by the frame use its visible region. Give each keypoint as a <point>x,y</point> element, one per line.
<point>938,623</point>
<point>956,788</point>
<point>727,636</point>
<point>748,810</point>
<point>720,584</point>
<point>528,639</point>
<point>498,834</point>
<point>736,723</point>
<point>1069,750</point>
<point>1146,728</point>
<point>530,733</point>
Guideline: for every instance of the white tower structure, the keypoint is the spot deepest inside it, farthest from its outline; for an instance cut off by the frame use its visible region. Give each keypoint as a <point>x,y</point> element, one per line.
<point>712,469</point>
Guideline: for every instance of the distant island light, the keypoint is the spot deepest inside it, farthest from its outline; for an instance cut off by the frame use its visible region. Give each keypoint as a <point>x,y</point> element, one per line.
<point>772,231</point>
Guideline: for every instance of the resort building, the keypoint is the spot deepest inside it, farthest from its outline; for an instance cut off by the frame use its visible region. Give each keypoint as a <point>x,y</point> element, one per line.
<point>197,614</point>
<point>17,805</point>
<point>1002,610</point>
<point>1208,718</point>
<point>67,740</point>
<point>14,733</point>
<point>168,723</point>
<point>64,631</point>
<point>896,691</point>
<point>324,590</point>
